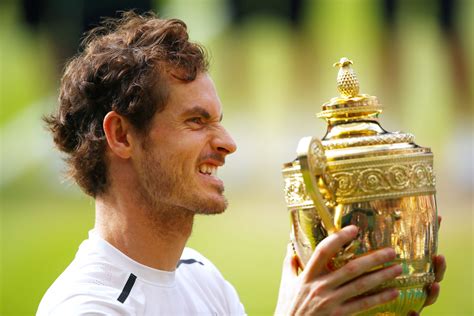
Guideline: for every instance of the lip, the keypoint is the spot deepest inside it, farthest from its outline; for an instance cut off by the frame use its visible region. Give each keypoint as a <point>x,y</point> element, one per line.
<point>213,162</point>
<point>210,179</point>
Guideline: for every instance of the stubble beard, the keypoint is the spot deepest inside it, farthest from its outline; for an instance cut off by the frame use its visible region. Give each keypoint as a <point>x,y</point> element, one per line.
<point>166,194</point>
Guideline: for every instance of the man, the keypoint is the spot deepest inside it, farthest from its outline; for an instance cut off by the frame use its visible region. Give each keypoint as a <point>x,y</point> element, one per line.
<point>140,121</point>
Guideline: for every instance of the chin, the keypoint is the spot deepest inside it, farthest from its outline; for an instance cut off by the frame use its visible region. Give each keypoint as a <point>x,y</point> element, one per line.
<point>214,205</point>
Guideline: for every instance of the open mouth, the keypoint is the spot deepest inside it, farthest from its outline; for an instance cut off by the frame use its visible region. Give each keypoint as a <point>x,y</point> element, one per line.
<point>208,173</point>
<point>208,169</point>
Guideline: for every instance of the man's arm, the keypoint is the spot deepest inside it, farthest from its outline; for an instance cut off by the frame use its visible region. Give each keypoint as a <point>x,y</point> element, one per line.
<point>318,291</point>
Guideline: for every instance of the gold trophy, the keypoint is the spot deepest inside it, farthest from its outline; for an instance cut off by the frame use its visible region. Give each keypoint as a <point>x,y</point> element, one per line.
<point>380,181</point>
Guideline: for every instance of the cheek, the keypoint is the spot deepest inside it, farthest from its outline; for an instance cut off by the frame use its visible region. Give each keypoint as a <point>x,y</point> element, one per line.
<point>182,151</point>
<point>179,157</point>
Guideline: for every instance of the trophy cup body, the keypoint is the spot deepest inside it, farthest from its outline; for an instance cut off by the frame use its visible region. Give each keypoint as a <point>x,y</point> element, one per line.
<point>360,174</point>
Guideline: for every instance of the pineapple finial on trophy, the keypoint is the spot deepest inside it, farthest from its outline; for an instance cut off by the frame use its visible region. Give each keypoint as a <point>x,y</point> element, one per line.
<point>347,82</point>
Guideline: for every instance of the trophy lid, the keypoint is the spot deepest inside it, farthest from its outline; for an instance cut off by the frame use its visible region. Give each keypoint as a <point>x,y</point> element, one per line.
<point>350,104</point>
<point>352,119</point>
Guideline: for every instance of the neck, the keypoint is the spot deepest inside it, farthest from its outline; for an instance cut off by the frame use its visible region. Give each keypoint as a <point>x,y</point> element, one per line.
<point>153,236</point>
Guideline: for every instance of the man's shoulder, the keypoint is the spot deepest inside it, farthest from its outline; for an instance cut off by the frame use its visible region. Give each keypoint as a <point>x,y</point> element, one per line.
<point>84,299</point>
<point>94,284</point>
<point>93,271</point>
<point>194,265</point>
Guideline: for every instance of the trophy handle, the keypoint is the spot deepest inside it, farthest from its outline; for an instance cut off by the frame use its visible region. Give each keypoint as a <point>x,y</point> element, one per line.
<point>310,152</point>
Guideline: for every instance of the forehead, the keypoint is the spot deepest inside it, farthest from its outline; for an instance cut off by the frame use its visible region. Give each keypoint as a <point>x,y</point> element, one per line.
<point>185,96</point>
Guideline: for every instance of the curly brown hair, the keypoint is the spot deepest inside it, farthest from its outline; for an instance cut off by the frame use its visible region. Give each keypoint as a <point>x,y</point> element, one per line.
<point>122,68</point>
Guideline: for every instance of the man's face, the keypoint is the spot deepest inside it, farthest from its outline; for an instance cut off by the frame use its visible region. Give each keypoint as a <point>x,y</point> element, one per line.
<point>186,144</point>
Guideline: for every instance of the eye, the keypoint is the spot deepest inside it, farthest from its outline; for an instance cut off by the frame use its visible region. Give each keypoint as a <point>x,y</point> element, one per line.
<point>196,120</point>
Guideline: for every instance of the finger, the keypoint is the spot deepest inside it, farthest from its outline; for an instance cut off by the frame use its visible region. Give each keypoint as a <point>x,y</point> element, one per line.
<point>358,266</point>
<point>367,282</point>
<point>367,302</point>
<point>440,218</point>
<point>440,267</point>
<point>433,293</point>
<point>327,249</point>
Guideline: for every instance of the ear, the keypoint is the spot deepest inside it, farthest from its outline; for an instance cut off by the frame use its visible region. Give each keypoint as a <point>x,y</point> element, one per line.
<point>118,134</point>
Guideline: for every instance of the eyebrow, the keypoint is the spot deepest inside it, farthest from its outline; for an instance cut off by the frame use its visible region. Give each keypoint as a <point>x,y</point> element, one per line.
<point>198,110</point>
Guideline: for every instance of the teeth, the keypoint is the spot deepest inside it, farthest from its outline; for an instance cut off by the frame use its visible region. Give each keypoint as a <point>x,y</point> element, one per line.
<point>208,169</point>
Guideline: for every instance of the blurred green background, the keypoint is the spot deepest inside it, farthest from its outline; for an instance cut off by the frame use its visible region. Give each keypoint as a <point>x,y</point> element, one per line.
<point>272,64</point>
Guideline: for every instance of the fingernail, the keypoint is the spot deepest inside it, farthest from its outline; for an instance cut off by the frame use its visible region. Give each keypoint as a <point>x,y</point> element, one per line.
<point>394,293</point>
<point>352,228</point>
<point>390,253</point>
<point>398,269</point>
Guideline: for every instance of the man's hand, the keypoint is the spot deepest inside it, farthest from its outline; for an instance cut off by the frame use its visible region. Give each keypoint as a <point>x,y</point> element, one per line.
<point>318,291</point>
<point>439,263</point>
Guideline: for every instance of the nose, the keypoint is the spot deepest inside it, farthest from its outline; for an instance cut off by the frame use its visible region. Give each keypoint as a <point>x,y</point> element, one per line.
<point>223,142</point>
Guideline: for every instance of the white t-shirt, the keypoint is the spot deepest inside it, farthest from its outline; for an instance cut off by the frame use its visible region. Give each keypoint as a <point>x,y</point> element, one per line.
<point>101,280</point>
